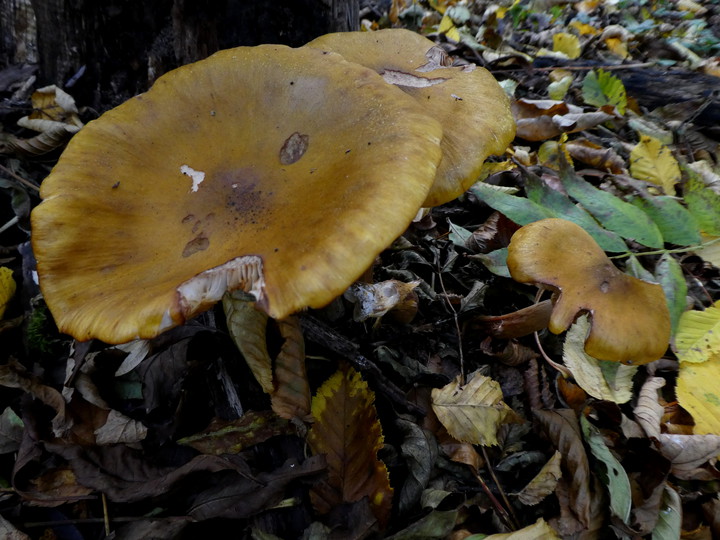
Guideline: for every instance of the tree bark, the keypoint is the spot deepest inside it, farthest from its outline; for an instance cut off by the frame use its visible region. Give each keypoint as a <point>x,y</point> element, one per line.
<point>110,50</point>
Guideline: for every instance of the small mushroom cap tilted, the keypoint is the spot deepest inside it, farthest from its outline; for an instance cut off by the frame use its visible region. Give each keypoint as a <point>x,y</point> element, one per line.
<point>630,317</point>
<point>469,103</point>
<point>282,172</point>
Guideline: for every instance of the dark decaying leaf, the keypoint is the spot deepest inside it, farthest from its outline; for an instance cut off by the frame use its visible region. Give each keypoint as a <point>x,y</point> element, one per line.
<point>347,431</point>
<point>230,437</point>
<point>240,496</point>
<point>563,429</point>
<point>420,449</point>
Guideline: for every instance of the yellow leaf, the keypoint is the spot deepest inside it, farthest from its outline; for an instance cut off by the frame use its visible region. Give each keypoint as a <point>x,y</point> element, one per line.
<point>347,430</point>
<point>583,28</point>
<point>544,482</point>
<point>698,335</point>
<point>7,288</point>
<point>698,393</point>
<point>567,44</point>
<point>611,381</point>
<point>472,412</point>
<point>447,27</point>
<point>617,47</point>
<point>540,530</point>
<point>711,253</point>
<point>653,162</point>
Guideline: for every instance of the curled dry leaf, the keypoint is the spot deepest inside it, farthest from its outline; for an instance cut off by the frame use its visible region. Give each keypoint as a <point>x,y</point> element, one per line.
<point>377,299</point>
<point>539,120</point>
<point>544,482</point>
<point>563,429</point>
<point>605,159</point>
<point>472,412</point>
<point>685,452</point>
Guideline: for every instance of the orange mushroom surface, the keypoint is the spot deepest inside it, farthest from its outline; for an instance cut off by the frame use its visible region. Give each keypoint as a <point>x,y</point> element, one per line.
<point>282,172</point>
<point>467,100</point>
<point>630,317</point>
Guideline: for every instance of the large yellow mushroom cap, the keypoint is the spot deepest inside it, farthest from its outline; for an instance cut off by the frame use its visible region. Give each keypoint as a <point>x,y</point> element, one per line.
<point>630,317</point>
<point>469,103</point>
<point>279,171</point>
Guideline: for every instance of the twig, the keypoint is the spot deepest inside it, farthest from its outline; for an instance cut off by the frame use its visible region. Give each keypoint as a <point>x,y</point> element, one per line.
<point>106,515</point>
<point>510,509</point>
<point>455,319</point>
<point>15,176</point>
<point>499,508</point>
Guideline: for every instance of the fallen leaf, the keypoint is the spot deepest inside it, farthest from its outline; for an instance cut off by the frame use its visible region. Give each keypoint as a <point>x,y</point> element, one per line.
<point>563,429</point>
<point>247,326</point>
<point>540,530</point>
<point>472,412</point>
<point>698,335</point>
<point>291,396</point>
<point>7,288</point>
<point>233,436</point>
<point>544,483</point>
<point>347,431</point>
<point>568,44</point>
<point>601,379</point>
<point>653,162</point>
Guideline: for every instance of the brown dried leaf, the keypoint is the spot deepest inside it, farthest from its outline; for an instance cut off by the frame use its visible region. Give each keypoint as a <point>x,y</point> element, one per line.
<point>247,326</point>
<point>472,412</point>
<point>347,430</point>
<point>563,429</point>
<point>291,397</point>
<point>597,156</point>
<point>516,324</point>
<point>685,452</point>
<point>14,375</point>
<point>540,120</point>
<point>544,482</point>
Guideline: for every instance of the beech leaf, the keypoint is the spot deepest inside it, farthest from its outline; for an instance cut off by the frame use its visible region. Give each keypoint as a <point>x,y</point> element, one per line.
<point>698,335</point>
<point>347,430</point>
<point>698,393</point>
<point>653,162</point>
<point>669,524</point>
<point>472,412</point>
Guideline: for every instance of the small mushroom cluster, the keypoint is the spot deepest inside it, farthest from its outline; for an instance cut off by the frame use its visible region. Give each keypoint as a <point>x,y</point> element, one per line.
<point>277,171</point>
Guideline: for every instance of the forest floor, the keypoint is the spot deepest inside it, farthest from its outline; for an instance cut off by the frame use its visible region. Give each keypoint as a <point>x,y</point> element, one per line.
<point>435,418</point>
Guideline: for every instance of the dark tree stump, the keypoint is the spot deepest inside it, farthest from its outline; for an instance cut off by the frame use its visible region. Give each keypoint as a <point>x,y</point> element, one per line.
<point>108,51</point>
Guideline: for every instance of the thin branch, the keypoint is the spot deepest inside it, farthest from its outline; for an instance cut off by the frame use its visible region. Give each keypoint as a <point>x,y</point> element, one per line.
<point>15,176</point>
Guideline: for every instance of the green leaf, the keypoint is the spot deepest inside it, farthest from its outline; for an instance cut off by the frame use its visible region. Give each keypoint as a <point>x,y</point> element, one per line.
<point>519,209</point>
<point>458,235</point>
<point>669,523</point>
<point>613,213</point>
<point>670,276</point>
<point>677,225</point>
<point>495,261</point>
<point>615,477</point>
<point>561,206</point>
<point>635,269</point>
<point>703,203</point>
<point>602,88</point>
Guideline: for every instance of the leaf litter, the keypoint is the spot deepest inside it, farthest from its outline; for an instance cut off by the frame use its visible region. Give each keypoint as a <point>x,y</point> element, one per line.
<point>216,422</point>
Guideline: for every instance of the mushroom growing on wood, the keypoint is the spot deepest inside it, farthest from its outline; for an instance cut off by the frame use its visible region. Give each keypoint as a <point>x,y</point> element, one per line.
<point>469,103</point>
<point>630,317</point>
<point>281,172</point>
